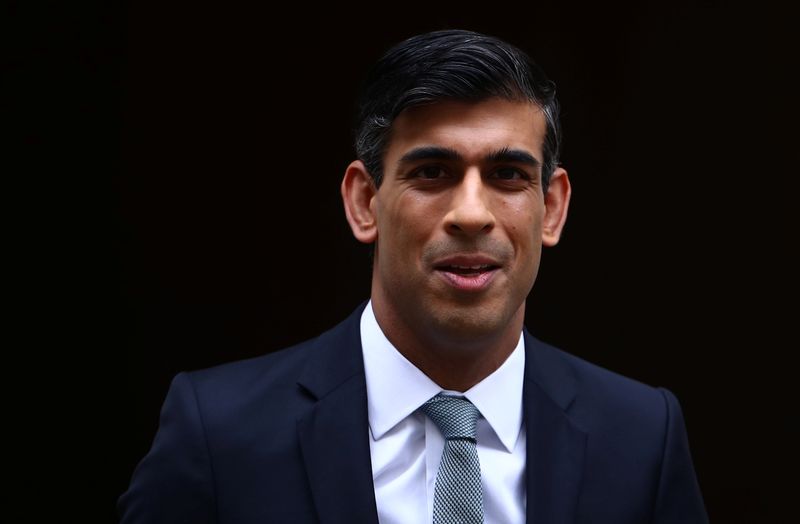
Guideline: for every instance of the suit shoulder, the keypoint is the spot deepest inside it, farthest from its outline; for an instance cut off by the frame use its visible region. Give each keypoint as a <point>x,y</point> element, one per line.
<point>604,395</point>
<point>275,376</point>
<point>277,366</point>
<point>603,379</point>
<point>229,393</point>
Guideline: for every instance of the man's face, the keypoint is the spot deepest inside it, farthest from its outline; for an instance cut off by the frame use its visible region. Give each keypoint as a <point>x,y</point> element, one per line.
<point>459,217</point>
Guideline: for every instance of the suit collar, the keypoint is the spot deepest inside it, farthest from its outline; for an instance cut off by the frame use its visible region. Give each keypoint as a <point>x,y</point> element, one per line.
<point>546,367</point>
<point>333,435</point>
<point>334,357</point>
<point>555,445</point>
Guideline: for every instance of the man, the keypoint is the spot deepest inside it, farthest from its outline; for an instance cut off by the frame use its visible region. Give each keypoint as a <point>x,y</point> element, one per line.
<point>457,185</point>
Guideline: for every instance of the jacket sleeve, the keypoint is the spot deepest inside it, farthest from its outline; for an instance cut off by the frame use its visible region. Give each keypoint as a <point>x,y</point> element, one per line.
<point>174,483</point>
<point>678,500</point>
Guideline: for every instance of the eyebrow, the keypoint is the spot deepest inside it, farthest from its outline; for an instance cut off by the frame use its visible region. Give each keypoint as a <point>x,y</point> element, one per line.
<point>517,156</point>
<point>430,153</point>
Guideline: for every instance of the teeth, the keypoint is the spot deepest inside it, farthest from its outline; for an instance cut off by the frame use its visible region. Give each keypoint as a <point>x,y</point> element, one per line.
<point>470,267</point>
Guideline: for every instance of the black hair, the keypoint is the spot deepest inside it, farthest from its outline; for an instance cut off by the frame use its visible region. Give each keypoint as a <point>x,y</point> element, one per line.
<point>449,65</point>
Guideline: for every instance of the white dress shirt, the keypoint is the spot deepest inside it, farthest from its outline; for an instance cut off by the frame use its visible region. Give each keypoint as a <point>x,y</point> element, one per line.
<point>406,446</point>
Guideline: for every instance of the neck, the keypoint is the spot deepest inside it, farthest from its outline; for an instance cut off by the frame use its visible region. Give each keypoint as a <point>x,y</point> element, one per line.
<point>452,360</point>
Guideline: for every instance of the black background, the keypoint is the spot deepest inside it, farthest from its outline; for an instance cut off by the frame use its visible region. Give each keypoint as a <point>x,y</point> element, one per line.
<point>206,144</point>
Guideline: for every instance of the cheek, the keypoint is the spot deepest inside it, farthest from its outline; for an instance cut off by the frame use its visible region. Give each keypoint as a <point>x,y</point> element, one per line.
<point>521,219</point>
<point>414,216</point>
<point>404,229</point>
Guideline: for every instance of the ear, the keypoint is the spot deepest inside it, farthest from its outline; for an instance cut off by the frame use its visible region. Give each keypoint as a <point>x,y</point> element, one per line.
<point>556,202</point>
<point>358,193</point>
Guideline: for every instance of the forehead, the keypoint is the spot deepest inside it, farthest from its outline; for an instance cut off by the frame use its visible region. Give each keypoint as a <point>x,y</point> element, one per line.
<point>474,129</point>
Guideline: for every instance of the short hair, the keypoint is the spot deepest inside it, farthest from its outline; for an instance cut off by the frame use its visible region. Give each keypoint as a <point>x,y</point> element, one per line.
<point>449,65</point>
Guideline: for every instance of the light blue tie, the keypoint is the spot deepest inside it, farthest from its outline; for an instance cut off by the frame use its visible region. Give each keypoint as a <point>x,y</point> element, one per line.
<point>458,498</point>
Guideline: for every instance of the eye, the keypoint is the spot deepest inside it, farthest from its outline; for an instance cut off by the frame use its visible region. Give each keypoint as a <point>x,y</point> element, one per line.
<point>429,173</point>
<point>510,173</point>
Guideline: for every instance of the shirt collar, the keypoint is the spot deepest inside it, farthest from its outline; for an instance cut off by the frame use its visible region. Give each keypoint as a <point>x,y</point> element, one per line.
<point>396,388</point>
<point>499,397</point>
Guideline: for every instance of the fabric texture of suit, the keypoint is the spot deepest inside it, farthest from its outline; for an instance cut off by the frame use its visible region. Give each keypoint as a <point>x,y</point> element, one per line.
<point>283,438</point>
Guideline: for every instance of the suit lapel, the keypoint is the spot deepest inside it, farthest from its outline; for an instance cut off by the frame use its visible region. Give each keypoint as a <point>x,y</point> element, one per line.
<point>334,436</point>
<point>555,446</point>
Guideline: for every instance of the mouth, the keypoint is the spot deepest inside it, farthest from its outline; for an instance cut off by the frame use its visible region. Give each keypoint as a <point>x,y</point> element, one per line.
<point>467,276</point>
<point>467,270</point>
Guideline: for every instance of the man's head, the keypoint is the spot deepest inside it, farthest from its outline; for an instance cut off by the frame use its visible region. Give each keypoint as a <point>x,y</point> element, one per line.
<point>451,189</point>
<point>449,65</point>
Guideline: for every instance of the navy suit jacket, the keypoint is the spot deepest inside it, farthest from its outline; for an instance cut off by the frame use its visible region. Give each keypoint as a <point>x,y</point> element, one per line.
<point>284,438</point>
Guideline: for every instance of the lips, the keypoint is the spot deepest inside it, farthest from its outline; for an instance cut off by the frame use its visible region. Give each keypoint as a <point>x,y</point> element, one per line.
<point>467,272</point>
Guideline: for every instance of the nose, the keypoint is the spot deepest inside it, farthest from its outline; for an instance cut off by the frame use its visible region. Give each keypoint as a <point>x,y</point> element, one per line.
<point>470,213</point>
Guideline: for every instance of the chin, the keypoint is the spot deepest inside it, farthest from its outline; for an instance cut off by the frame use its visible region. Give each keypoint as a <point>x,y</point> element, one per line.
<point>471,324</point>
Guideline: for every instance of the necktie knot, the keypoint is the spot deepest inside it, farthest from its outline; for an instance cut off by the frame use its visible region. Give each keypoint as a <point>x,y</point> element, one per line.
<point>456,417</point>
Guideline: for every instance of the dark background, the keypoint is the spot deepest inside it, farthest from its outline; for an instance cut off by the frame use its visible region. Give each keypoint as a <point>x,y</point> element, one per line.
<point>208,144</point>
